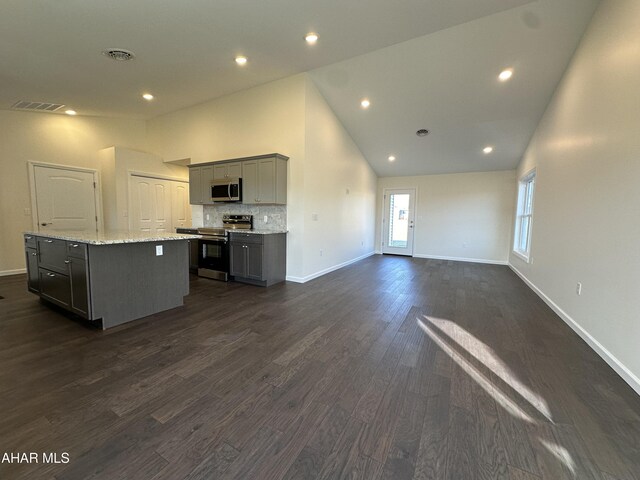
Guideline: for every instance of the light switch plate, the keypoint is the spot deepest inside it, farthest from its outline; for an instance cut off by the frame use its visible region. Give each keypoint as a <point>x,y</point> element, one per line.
<point>158,250</point>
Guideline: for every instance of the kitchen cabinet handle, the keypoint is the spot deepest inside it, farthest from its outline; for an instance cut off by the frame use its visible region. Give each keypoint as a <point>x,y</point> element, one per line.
<point>34,254</point>
<point>28,237</point>
<point>49,241</point>
<point>74,245</point>
<point>51,275</point>
<point>67,261</point>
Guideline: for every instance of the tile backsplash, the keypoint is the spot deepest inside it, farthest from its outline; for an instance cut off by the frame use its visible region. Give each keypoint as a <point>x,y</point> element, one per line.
<point>276,215</point>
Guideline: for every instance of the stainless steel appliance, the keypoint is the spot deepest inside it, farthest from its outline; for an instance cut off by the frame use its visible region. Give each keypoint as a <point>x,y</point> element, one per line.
<point>213,247</point>
<point>193,247</point>
<point>226,190</point>
<point>213,254</point>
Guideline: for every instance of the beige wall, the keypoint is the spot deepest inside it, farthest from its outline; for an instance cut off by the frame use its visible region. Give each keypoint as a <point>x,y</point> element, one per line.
<point>59,139</point>
<point>264,119</point>
<point>290,117</point>
<point>116,164</point>
<point>465,216</point>
<point>339,188</point>
<point>586,224</point>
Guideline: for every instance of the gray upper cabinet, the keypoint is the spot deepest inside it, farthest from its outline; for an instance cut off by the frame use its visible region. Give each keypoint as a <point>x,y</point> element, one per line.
<point>264,179</point>
<point>207,178</point>
<point>195,185</point>
<point>227,170</point>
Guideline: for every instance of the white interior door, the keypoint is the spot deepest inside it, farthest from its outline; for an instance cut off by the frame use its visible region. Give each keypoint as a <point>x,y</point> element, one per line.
<point>65,199</point>
<point>158,205</point>
<point>180,206</point>
<point>398,221</point>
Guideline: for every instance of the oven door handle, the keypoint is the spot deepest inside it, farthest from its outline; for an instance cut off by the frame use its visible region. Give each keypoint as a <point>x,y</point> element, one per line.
<point>229,190</point>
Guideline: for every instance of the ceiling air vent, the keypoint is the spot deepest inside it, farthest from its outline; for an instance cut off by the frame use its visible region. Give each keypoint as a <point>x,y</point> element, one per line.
<point>119,54</point>
<point>37,106</point>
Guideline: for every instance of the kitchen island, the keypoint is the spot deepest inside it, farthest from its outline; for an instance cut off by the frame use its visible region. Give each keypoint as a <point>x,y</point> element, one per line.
<point>111,277</point>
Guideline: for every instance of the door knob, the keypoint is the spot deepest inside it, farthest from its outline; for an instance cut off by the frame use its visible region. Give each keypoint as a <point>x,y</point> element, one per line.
<point>44,224</point>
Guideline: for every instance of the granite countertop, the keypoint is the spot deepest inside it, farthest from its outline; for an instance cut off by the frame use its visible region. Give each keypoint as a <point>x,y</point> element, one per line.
<point>113,237</point>
<point>256,231</point>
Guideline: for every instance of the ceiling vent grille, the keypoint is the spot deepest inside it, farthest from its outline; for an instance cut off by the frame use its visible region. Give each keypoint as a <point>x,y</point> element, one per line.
<point>119,54</point>
<point>37,106</point>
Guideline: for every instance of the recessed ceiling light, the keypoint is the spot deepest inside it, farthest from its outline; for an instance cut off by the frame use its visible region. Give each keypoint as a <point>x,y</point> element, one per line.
<point>70,112</point>
<point>487,150</point>
<point>147,96</point>
<point>505,75</point>
<point>365,103</point>
<point>240,60</point>
<point>392,158</point>
<point>311,38</point>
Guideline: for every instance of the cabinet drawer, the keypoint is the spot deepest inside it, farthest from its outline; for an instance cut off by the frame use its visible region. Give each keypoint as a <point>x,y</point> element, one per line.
<point>77,250</point>
<point>55,287</point>
<point>30,241</point>
<point>246,238</point>
<point>53,254</point>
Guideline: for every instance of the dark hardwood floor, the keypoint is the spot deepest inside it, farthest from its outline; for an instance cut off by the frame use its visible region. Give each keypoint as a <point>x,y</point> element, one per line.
<point>393,368</point>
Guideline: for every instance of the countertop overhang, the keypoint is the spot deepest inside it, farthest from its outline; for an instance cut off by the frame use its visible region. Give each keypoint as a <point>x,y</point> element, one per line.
<point>113,237</point>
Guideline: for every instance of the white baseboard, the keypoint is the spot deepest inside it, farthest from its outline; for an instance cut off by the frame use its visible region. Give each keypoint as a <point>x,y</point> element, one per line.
<point>327,270</point>
<point>626,374</point>
<point>462,259</point>
<point>6,273</point>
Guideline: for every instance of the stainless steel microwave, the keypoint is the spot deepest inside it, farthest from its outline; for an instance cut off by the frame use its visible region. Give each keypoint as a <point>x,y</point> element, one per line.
<point>226,190</point>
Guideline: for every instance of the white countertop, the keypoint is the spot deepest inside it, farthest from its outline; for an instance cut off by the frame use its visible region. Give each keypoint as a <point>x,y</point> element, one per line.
<point>113,237</point>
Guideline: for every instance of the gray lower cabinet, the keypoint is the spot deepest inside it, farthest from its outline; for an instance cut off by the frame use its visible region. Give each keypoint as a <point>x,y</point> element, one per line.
<point>31,261</point>
<point>258,259</point>
<point>58,271</point>
<point>78,258</point>
<point>55,287</point>
<point>108,283</point>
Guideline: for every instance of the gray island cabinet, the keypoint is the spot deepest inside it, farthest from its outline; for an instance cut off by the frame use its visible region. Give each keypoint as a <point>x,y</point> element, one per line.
<point>110,278</point>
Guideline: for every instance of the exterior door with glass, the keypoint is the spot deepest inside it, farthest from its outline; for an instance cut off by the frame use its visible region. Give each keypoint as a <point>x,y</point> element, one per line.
<point>398,221</point>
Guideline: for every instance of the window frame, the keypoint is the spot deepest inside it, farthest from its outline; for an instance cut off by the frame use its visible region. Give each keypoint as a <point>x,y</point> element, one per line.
<point>526,198</point>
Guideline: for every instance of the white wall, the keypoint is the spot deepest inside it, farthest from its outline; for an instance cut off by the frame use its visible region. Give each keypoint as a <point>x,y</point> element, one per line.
<point>586,225</point>
<point>265,119</point>
<point>60,139</point>
<point>465,216</point>
<point>339,187</point>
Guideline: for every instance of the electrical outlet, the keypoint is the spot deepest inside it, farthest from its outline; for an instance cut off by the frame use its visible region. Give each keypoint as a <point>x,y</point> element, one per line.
<point>207,217</point>
<point>266,219</point>
<point>159,250</point>
<point>27,211</point>
<point>320,252</point>
<point>579,288</point>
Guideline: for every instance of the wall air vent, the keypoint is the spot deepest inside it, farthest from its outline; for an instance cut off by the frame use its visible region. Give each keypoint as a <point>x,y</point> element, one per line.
<point>37,106</point>
<point>118,54</point>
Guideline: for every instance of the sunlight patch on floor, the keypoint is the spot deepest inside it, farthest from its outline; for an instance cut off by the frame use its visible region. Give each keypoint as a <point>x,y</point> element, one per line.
<point>561,454</point>
<point>503,400</point>
<point>485,355</point>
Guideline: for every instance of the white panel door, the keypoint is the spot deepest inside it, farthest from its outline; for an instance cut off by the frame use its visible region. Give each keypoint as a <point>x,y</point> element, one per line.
<point>398,221</point>
<point>150,204</point>
<point>65,199</point>
<point>180,207</point>
<point>158,205</point>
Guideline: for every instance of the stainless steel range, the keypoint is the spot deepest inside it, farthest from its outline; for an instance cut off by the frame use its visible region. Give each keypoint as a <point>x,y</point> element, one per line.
<point>213,247</point>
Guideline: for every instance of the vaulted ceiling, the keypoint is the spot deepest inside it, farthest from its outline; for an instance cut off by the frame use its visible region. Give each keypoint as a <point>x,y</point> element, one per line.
<point>423,64</point>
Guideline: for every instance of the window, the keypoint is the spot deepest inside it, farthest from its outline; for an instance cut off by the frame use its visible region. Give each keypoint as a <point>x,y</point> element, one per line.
<point>524,216</point>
